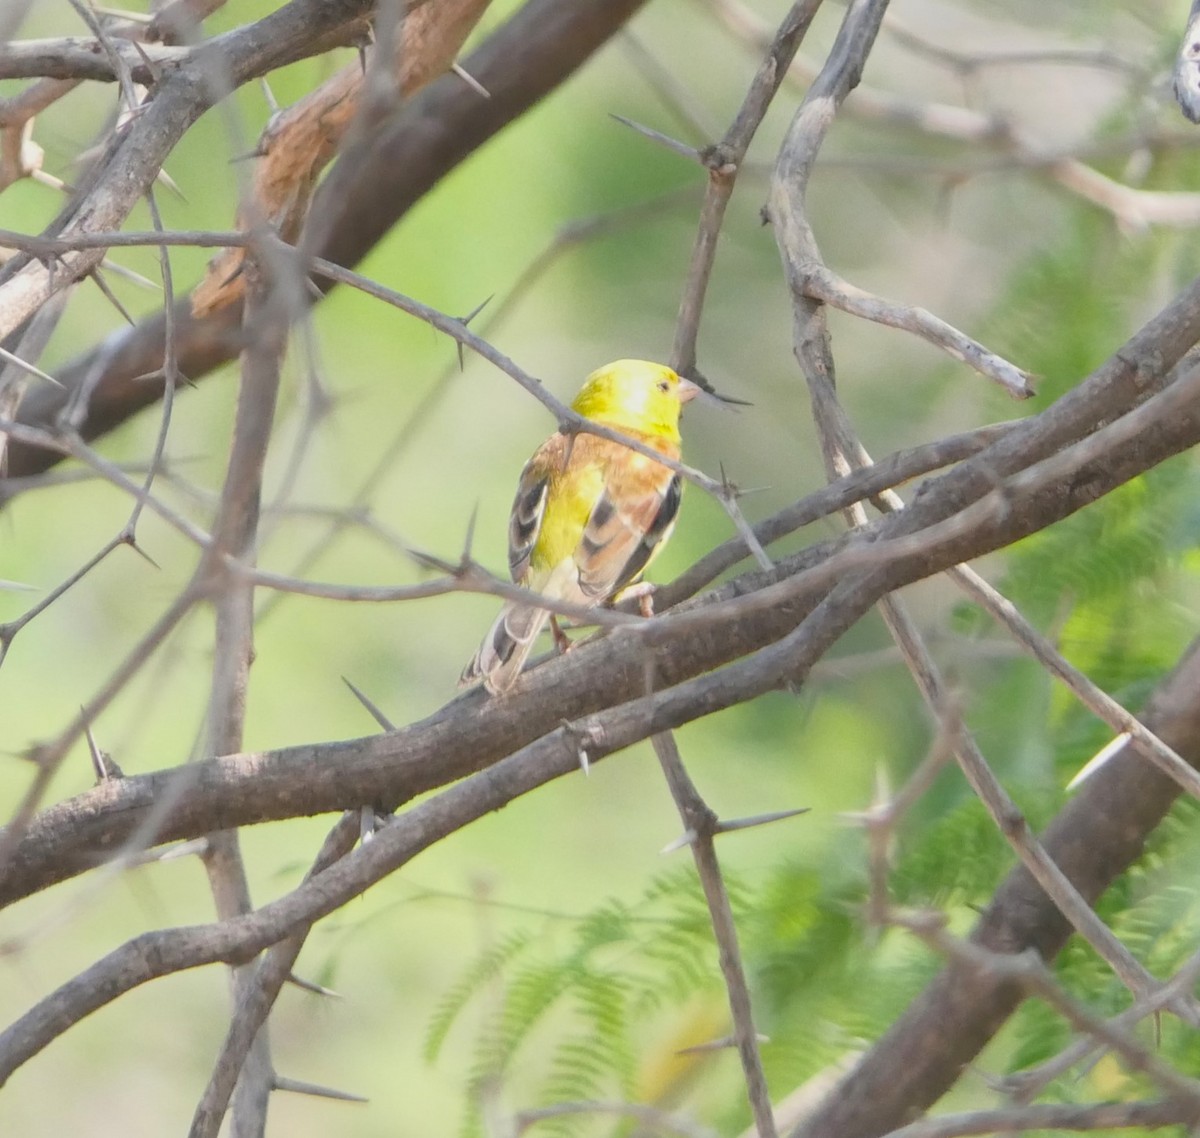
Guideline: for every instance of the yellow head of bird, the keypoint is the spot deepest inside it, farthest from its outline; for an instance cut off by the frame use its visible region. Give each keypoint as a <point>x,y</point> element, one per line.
<point>636,395</point>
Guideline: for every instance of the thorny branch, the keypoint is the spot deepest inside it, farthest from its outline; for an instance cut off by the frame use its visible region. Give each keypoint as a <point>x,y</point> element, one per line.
<point>269,309</point>
<point>132,159</point>
<point>763,630</point>
<point>408,153</point>
<point>701,827</point>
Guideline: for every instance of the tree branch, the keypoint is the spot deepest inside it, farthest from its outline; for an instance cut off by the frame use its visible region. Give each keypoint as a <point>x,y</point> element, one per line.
<point>738,618</point>
<point>376,182</point>
<point>136,152</point>
<point>923,1053</point>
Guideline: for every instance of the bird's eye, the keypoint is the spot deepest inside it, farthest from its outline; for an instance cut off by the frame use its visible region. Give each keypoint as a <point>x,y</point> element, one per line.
<point>663,385</point>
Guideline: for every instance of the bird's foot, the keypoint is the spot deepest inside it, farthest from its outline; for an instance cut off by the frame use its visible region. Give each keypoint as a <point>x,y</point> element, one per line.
<point>643,592</point>
<point>561,640</point>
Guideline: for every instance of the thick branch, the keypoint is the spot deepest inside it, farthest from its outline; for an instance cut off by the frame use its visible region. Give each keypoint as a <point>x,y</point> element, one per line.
<point>375,183</point>
<point>136,152</point>
<point>924,1052</point>
<point>471,732</point>
<point>80,57</point>
<point>300,141</point>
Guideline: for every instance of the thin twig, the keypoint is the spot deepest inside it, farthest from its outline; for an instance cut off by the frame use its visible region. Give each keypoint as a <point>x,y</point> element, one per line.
<point>722,161</point>
<point>700,822</point>
<point>257,998</point>
<point>235,532</point>
<point>1057,1117</point>
<point>1029,971</point>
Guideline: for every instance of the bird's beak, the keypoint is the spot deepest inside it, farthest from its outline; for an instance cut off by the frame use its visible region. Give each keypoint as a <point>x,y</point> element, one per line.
<point>687,390</point>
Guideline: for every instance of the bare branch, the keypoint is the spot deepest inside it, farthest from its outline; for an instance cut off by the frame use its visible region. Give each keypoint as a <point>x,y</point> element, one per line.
<point>910,1067</point>
<point>1133,209</point>
<point>722,161</point>
<point>384,176</point>
<point>257,997</point>
<point>76,58</point>
<point>134,156</point>
<point>823,285</point>
<point>764,631</point>
<point>1027,970</point>
<point>235,533</point>
<point>701,823</point>
<point>343,776</point>
<point>1056,1116</point>
<point>299,142</point>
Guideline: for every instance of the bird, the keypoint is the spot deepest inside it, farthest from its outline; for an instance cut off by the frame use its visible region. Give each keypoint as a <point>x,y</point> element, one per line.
<point>590,514</point>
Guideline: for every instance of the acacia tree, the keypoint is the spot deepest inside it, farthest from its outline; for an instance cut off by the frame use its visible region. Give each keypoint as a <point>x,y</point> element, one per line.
<point>391,125</point>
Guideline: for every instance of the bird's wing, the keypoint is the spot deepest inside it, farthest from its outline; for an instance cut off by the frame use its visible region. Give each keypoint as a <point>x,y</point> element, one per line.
<point>588,517</point>
<point>628,523</point>
<point>529,505</point>
<point>593,502</point>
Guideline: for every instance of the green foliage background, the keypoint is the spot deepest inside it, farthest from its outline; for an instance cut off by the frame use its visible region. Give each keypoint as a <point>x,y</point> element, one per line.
<point>548,952</point>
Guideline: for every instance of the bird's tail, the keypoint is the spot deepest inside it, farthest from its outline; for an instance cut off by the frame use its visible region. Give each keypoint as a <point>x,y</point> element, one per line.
<point>506,647</point>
